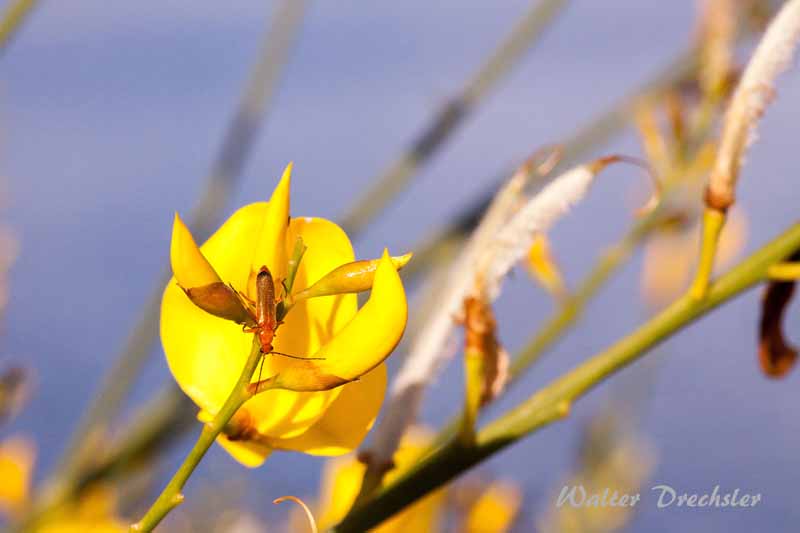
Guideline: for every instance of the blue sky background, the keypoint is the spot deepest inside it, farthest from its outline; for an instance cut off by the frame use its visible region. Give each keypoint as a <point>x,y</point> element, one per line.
<point>111,113</point>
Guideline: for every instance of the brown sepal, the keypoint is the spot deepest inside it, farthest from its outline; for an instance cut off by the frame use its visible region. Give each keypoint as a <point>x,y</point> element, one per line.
<point>221,301</point>
<point>776,355</point>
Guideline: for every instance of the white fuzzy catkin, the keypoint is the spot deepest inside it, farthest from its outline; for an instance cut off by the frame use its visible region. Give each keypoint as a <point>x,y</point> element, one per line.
<point>502,238</point>
<point>753,94</point>
<point>429,348</point>
<point>537,216</point>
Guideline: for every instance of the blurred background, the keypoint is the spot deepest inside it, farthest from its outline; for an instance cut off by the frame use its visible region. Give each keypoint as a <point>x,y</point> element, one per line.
<point>111,116</point>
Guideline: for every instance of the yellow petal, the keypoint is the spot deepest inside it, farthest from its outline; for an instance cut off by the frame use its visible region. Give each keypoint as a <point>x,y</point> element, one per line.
<point>347,421</point>
<point>543,267</point>
<point>17,456</point>
<point>357,276</point>
<point>271,246</point>
<point>309,325</point>
<point>342,481</point>
<point>206,353</point>
<point>495,509</point>
<point>95,512</point>
<point>189,266</point>
<point>364,343</point>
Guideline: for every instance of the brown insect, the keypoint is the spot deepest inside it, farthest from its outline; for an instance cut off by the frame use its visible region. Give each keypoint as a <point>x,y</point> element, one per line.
<point>265,313</point>
<point>265,310</point>
<point>265,317</point>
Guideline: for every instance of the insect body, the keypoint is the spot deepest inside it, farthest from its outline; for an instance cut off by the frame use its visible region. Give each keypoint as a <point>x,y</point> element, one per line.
<point>264,315</point>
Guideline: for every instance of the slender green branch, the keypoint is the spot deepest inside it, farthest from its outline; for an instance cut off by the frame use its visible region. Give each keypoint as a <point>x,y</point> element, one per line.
<point>13,18</point>
<point>224,176</point>
<point>553,401</point>
<point>452,115</point>
<point>287,301</point>
<point>713,222</point>
<point>171,496</point>
<point>572,307</point>
<point>474,372</point>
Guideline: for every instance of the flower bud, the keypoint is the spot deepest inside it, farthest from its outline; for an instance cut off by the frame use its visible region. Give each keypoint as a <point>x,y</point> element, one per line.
<point>357,276</point>
<point>364,343</point>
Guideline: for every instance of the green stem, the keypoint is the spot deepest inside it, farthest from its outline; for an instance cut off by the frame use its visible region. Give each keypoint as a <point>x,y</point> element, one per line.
<point>12,20</point>
<point>573,306</point>
<point>571,309</point>
<point>713,222</point>
<point>474,372</point>
<point>553,401</point>
<point>287,302</point>
<point>171,496</point>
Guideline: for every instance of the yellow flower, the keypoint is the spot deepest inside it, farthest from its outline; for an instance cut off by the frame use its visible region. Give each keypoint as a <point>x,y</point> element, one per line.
<point>326,377</point>
<point>93,512</point>
<point>17,456</point>
<point>495,509</point>
<point>341,484</point>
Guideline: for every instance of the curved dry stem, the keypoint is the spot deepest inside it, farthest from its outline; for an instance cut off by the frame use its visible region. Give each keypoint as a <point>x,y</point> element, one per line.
<point>312,523</point>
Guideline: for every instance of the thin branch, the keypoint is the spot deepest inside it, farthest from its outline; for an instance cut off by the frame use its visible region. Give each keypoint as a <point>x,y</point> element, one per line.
<point>553,402</point>
<point>429,352</point>
<point>755,91</point>
<point>16,14</point>
<point>222,180</point>
<point>443,124</point>
<point>171,496</point>
<point>587,138</point>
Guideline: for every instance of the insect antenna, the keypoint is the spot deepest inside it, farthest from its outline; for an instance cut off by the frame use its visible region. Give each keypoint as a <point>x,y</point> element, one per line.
<point>297,356</point>
<point>260,368</point>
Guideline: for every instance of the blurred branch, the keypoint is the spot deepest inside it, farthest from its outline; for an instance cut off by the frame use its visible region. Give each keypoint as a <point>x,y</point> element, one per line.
<point>754,92</point>
<point>588,138</point>
<point>553,402</point>
<point>444,123</point>
<point>13,18</point>
<point>15,383</point>
<point>572,307</point>
<point>611,122</point>
<point>224,176</point>
<point>157,425</point>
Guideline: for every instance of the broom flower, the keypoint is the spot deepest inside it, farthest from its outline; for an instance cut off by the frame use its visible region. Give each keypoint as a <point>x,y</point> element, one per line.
<point>322,379</point>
